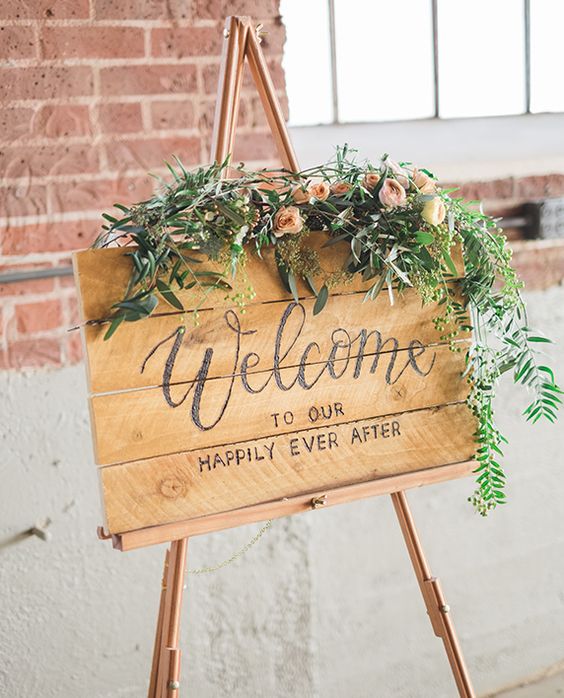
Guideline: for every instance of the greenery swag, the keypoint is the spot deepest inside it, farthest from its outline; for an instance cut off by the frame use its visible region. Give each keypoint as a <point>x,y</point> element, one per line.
<point>400,227</point>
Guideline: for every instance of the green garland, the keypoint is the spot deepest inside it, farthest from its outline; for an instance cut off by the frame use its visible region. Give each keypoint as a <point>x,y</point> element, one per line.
<point>400,227</point>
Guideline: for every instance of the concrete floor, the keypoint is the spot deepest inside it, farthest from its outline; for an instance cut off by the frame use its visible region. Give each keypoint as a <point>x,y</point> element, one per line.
<point>549,687</point>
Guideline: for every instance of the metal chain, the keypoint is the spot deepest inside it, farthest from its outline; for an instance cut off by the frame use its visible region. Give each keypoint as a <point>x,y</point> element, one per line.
<point>235,556</point>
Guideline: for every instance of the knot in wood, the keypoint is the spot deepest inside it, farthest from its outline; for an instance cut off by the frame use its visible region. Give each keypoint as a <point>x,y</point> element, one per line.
<point>172,488</point>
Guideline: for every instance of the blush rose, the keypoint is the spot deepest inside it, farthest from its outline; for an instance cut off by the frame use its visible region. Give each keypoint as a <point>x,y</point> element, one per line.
<point>287,221</point>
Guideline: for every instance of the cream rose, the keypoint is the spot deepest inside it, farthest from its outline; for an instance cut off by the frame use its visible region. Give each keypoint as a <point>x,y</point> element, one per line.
<point>340,188</point>
<point>300,195</point>
<point>434,211</point>
<point>370,180</point>
<point>287,220</point>
<point>423,182</point>
<point>319,191</point>
<point>392,193</point>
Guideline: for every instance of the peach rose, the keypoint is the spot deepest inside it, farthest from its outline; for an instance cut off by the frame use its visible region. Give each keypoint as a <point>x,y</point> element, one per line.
<point>434,211</point>
<point>319,191</point>
<point>400,173</point>
<point>392,193</point>
<point>300,195</point>
<point>370,180</point>
<point>340,188</point>
<point>287,220</point>
<point>423,182</point>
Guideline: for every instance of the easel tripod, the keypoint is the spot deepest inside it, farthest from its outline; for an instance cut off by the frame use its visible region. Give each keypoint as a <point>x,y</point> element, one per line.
<point>241,42</point>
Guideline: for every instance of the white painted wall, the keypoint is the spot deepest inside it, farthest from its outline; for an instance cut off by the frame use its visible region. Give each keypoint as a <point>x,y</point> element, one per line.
<point>324,606</point>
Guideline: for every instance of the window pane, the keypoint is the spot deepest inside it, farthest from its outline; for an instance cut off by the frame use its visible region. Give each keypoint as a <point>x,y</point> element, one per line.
<point>481,57</point>
<point>384,59</point>
<point>307,61</point>
<point>547,56</point>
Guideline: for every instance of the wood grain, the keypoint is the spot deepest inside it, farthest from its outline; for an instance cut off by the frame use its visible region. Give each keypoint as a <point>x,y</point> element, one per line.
<point>140,424</point>
<point>115,365</point>
<point>287,506</point>
<point>102,276</point>
<point>176,487</point>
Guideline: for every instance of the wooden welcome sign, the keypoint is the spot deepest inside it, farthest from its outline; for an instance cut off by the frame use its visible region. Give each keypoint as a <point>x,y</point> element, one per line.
<point>248,414</point>
<point>265,404</point>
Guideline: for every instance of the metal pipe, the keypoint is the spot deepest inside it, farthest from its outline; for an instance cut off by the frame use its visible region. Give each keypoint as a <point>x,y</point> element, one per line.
<point>15,276</point>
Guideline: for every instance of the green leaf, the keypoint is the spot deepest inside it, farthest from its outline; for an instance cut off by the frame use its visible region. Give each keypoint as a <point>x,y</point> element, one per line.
<point>450,264</point>
<point>116,322</point>
<point>168,295</point>
<point>424,238</point>
<point>293,286</point>
<point>321,300</point>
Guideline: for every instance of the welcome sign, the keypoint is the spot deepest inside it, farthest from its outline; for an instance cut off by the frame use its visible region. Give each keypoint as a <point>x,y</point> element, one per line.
<point>240,406</point>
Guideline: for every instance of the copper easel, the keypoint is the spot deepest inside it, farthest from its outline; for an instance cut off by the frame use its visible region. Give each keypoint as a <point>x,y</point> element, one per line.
<point>242,40</point>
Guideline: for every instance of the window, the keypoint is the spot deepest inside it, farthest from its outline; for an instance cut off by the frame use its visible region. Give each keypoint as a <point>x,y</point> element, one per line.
<point>376,60</point>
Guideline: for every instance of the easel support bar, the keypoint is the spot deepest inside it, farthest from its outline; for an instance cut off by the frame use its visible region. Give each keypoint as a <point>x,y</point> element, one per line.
<point>437,608</point>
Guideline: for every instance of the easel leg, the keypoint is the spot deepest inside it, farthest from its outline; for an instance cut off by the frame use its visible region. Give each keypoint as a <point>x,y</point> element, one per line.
<point>165,672</point>
<point>437,608</point>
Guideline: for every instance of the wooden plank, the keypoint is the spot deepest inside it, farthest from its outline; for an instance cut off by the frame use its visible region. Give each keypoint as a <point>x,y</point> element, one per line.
<point>116,365</point>
<point>132,540</point>
<point>181,486</point>
<point>144,423</point>
<point>102,276</point>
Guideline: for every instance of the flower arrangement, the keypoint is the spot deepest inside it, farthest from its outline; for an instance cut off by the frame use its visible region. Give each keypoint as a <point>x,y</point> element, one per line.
<point>400,226</point>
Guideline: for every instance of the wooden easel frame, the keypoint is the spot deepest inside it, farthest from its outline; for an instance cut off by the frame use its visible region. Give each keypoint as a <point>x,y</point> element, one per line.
<point>242,41</point>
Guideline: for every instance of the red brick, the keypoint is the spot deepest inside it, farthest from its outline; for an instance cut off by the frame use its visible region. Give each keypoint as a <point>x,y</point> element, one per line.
<point>24,199</point>
<point>172,115</point>
<point>38,317</point>
<point>120,118</point>
<point>187,41</point>
<point>212,9</point>
<point>251,113</point>
<point>210,74</point>
<point>72,314</point>
<point>478,191</point>
<point>148,79</point>
<point>73,348</point>
<point>274,36</point>
<point>15,122</point>
<point>28,353</point>
<point>17,42</point>
<point>98,194</point>
<point>44,9</point>
<point>45,82</point>
<point>49,237</point>
<point>148,154</point>
<point>139,9</point>
<point>276,73</point>
<point>21,161</point>
<point>540,187</point>
<point>58,121</point>
<point>254,146</point>
<point>92,42</point>
<point>22,288</point>
<point>539,265</point>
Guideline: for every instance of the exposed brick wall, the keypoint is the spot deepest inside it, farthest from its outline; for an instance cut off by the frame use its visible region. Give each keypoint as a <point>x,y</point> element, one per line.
<point>93,95</point>
<point>540,263</point>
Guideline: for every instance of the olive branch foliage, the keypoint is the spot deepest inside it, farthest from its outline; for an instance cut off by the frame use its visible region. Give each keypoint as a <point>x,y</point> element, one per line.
<point>198,217</point>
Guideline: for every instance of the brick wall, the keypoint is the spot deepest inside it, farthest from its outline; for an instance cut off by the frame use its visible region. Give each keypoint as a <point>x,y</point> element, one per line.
<point>540,263</point>
<point>93,95</point>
